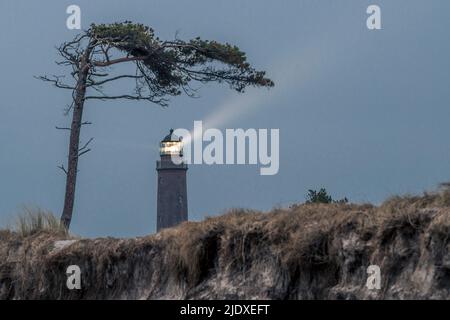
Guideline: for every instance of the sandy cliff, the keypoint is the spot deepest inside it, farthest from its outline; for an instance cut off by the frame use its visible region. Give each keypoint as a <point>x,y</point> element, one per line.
<point>312,251</point>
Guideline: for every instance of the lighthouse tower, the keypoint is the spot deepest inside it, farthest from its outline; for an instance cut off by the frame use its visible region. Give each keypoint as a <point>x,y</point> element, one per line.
<point>172,189</point>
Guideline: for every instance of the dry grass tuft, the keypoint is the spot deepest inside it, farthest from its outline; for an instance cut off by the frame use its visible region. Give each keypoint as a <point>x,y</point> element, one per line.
<point>34,220</point>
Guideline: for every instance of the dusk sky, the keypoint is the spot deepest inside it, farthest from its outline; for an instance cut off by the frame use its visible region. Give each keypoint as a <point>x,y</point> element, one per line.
<point>363,113</point>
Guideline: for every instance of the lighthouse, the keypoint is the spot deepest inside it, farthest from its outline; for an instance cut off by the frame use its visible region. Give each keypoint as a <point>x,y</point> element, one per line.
<point>172,185</point>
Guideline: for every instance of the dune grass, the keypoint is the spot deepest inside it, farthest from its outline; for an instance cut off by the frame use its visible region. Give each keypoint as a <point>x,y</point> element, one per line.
<point>34,220</point>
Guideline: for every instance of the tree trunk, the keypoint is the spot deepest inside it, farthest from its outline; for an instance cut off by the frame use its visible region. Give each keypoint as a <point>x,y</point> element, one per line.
<point>74,144</point>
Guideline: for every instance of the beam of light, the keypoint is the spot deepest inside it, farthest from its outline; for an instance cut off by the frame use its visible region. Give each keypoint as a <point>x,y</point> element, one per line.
<point>291,73</point>
<point>288,73</point>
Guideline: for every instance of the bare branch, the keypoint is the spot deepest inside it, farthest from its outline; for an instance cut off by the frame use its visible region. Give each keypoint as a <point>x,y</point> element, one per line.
<point>84,152</point>
<point>63,128</point>
<point>56,82</point>
<point>86,144</point>
<point>119,60</point>
<point>124,96</point>
<point>99,74</point>
<point>63,169</point>
<point>93,83</point>
<point>69,107</point>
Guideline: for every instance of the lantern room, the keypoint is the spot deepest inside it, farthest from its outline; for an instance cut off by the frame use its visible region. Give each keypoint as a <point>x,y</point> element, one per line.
<point>171,145</point>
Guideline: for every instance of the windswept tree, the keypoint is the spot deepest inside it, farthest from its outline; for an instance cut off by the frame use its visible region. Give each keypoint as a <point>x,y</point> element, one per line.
<point>157,70</point>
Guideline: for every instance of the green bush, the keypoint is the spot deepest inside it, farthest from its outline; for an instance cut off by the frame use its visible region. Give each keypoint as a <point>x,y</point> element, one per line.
<point>322,196</point>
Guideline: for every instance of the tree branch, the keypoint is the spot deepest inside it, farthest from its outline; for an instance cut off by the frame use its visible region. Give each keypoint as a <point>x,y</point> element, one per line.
<point>56,82</point>
<point>119,60</point>
<point>93,83</point>
<point>84,152</point>
<point>63,169</point>
<point>63,128</point>
<point>85,145</point>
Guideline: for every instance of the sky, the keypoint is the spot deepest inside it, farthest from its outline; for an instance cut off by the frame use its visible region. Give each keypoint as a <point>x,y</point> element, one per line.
<point>363,113</point>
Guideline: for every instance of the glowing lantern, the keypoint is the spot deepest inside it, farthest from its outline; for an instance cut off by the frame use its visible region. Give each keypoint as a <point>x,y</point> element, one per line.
<point>171,145</point>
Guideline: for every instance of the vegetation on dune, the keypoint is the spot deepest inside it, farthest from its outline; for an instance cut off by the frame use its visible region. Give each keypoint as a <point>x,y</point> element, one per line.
<point>306,238</point>
<point>33,221</point>
<point>322,196</point>
<point>309,251</point>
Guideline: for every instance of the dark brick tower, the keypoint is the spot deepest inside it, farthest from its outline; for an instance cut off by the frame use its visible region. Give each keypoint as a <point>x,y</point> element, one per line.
<point>172,189</point>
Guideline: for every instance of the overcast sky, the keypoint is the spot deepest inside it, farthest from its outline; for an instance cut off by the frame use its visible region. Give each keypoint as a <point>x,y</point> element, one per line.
<point>363,113</point>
